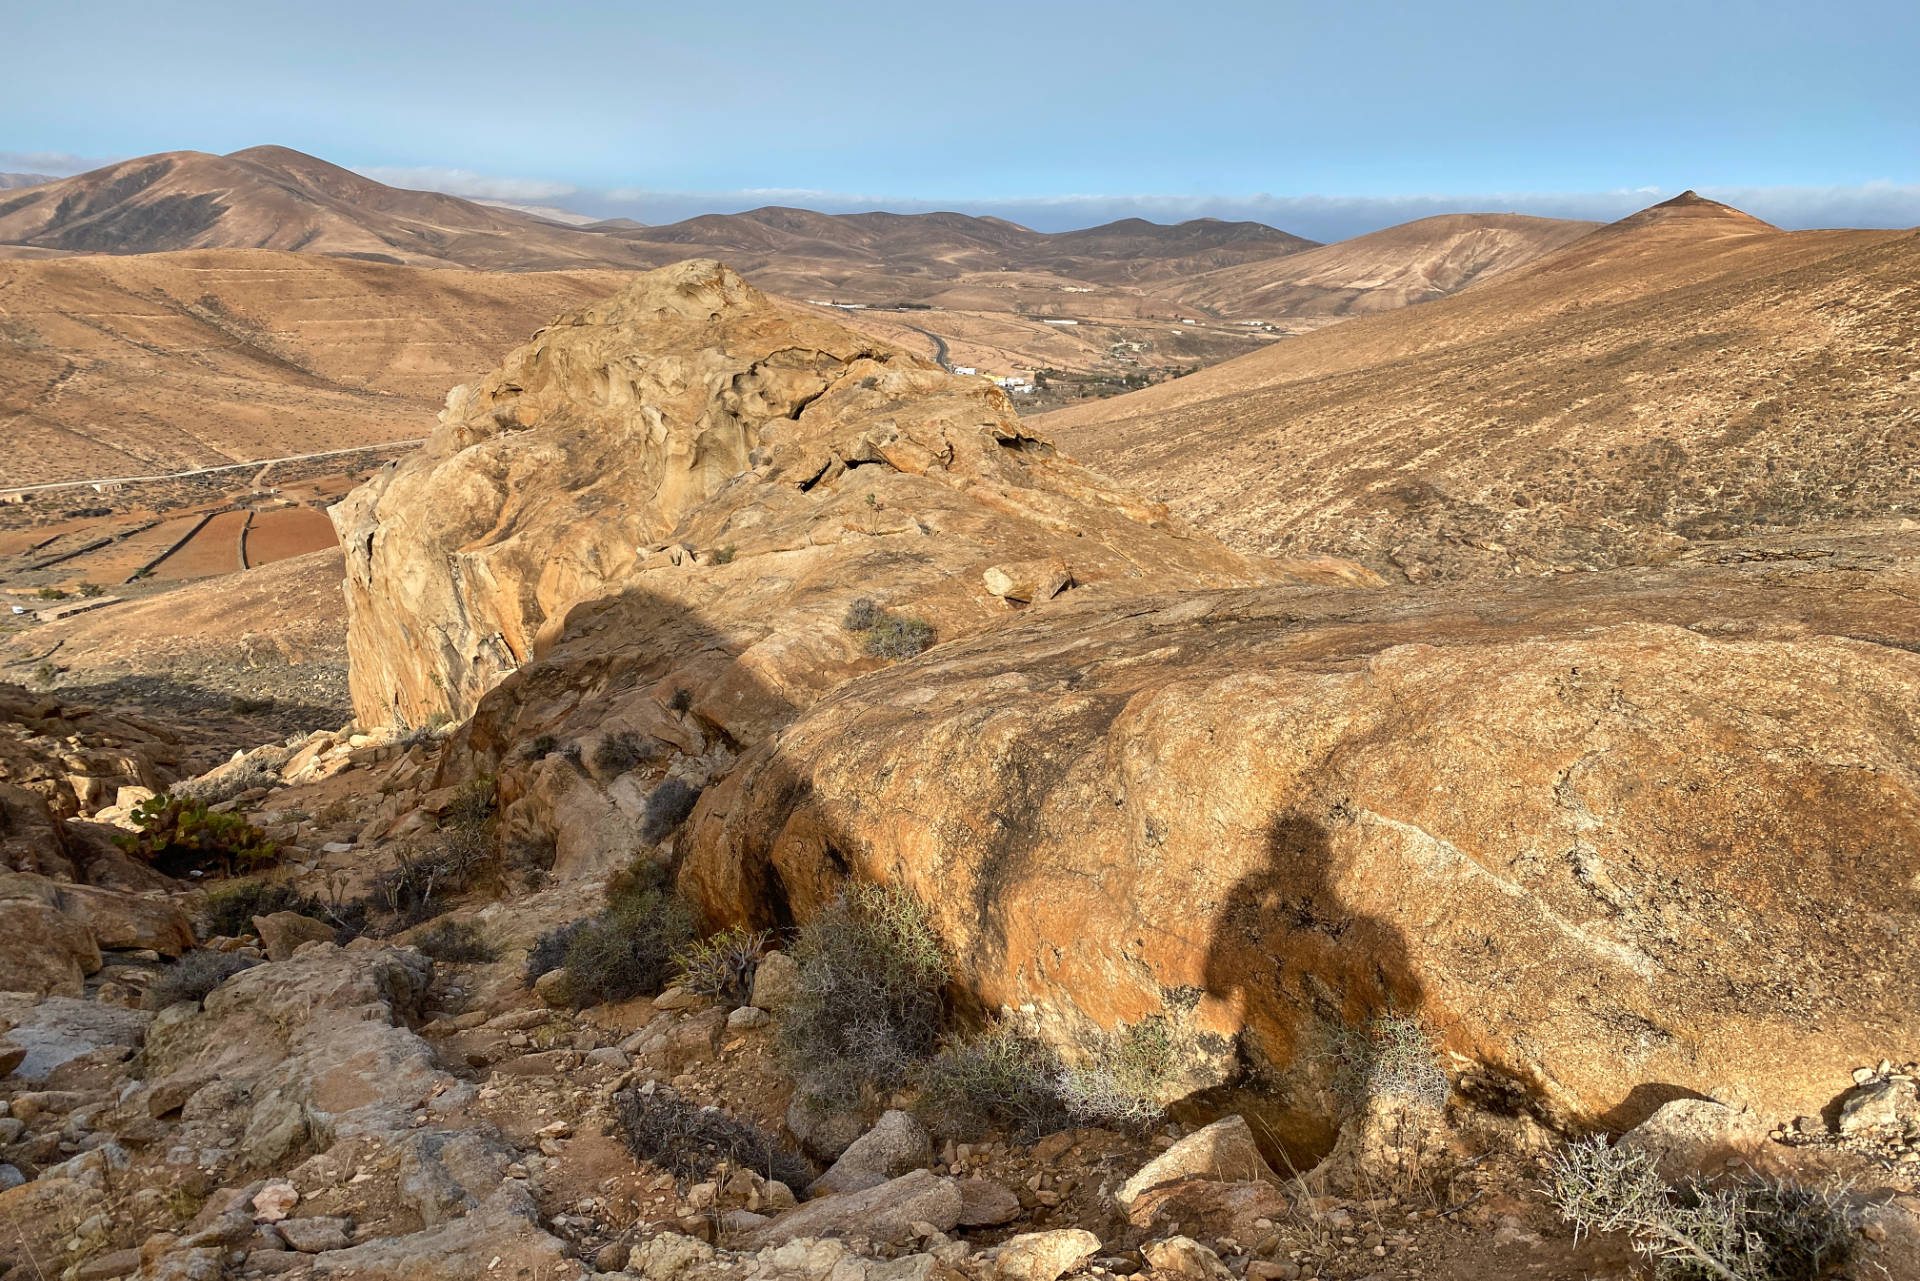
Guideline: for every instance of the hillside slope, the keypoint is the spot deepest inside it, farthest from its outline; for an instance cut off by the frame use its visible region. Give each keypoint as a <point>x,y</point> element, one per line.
<point>1684,375</point>
<point>1413,262</point>
<point>160,362</point>
<point>277,198</point>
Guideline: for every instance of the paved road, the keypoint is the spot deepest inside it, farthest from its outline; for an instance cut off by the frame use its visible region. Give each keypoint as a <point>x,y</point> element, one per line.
<point>259,463</point>
<point>939,345</point>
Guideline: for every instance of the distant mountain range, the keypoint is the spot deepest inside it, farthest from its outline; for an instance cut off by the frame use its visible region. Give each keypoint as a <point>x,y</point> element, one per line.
<point>277,198</point>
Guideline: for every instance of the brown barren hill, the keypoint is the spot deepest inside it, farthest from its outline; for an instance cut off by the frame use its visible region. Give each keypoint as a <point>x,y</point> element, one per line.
<point>278,198</point>
<point>1383,270</point>
<point>115,366</point>
<point>1685,375</point>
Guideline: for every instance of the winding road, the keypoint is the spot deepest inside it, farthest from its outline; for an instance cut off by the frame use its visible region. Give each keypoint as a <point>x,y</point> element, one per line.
<point>260,463</point>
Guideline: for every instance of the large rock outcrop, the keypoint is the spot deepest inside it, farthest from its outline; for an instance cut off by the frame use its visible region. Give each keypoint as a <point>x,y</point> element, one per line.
<point>1626,838</point>
<point>748,462</point>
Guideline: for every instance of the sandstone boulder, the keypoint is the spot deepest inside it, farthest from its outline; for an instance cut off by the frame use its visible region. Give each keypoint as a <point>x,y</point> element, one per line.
<point>283,932</point>
<point>675,497</point>
<point>1608,846</point>
<point>1223,1152</point>
<point>886,1213</point>
<point>42,948</point>
<point>1699,1138</point>
<point>896,1144</point>
<point>1043,1256</point>
<point>127,921</point>
<point>776,982</point>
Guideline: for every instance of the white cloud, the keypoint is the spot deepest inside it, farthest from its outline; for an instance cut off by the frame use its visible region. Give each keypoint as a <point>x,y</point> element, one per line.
<point>60,164</point>
<point>465,182</point>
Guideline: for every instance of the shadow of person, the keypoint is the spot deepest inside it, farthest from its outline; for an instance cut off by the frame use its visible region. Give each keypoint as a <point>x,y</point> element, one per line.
<point>1309,974</point>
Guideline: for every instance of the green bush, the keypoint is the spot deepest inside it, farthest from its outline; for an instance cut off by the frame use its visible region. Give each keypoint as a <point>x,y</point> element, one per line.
<point>455,941</point>
<point>998,1078</point>
<point>868,1008</point>
<point>178,835</point>
<point>192,977</point>
<point>228,909</point>
<point>666,808</point>
<point>1769,1230</point>
<point>725,555</point>
<point>721,966</point>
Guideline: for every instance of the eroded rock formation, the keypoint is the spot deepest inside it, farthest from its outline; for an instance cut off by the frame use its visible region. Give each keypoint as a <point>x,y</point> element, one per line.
<point>752,463</point>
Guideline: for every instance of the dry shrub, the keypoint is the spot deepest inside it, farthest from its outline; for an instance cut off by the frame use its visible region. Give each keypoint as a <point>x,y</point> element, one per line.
<point>193,977</point>
<point>722,966</point>
<point>691,1142</point>
<point>1769,1230</point>
<point>998,1078</point>
<point>868,1009</point>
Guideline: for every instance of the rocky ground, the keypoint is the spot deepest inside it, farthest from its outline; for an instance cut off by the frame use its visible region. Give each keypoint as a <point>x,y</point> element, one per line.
<point>1226,918</point>
<point>365,1111</point>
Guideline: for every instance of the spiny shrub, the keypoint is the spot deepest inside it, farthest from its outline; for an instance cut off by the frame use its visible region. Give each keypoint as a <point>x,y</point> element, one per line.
<point>884,635</point>
<point>178,835</point>
<point>725,555</point>
<point>666,808</point>
<point>1122,1081</point>
<point>625,951</point>
<point>192,977</point>
<point>998,1078</point>
<point>624,750</point>
<point>1395,1056</point>
<point>228,909</point>
<point>862,614</point>
<point>247,775</point>
<point>868,1007</point>
<point>1765,1231</point>
<point>549,951</point>
<point>691,1142</point>
<point>455,941</point>
<point>416,888</point>
<point>722,965</point>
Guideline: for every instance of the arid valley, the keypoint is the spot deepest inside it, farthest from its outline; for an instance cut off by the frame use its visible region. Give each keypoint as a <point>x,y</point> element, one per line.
<point>792,745</point>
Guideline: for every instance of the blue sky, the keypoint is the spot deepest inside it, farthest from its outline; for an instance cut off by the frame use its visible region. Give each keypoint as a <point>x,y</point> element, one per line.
<point>1326,118</point>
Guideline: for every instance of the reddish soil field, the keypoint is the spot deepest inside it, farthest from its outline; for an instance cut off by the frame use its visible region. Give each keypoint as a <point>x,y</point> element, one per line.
<point>214,550</point>
<point>117,562</point>
<point>285,532</point>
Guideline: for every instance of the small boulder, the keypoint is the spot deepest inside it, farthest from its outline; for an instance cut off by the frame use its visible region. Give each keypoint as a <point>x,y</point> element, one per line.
<point>986,1204</point>
<point>1887,1107</point>
<point>775,982</point>
<point>1224,1151</point>
<point>553,988</point>
<point>1692,1137</point>
<point>1186,1258</point>
<point>1043,1256</point>
<point>668,1255</point>
<point>282,933</point>
<point>748,1017</point>
<point>274,1202</point>
<point>896,1144</point>
<point>887,1213</point>
<point>312,1236</point>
